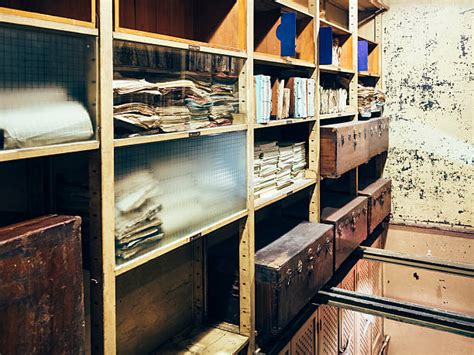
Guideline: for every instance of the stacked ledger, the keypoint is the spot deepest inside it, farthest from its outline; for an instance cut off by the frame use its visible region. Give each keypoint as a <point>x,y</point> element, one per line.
<point>282,98</point>
<point>278,165</point>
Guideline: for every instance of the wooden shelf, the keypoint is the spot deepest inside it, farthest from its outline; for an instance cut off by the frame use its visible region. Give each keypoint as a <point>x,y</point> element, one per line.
<point>329,116</point>
<point>198,23</point>
<point>204,340</point>
<point>336,28</point>
<point>55,149</point>
<point>269,59</point>
<point>283,193</point>
<point>155,253</point>
<point>24,18</point>
<point>123,142</point>
<point>284,122</point>
<point>366,74</point>
<point>284,6</point>
<point>335,70</point>
<point>77,17</point>
<point>174,42</point>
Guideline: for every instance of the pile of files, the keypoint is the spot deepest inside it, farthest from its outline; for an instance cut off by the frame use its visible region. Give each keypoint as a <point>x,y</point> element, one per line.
<point>369,100</point>
<point>299,161</point>
<point>332,100</point>
<point>265,167</point>
<point>278,165</point>
<point>293,97</point>
<point>285,165</point>
<point>137,217</point>
<point>224,99</point>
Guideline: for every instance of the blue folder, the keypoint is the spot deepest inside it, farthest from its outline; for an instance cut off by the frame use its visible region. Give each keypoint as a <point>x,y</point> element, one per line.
<point>286,33</point>
<point>363,55</point>
<point>325,45</point>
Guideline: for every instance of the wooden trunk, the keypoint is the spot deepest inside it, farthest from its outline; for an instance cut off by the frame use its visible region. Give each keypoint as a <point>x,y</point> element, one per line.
<point>379,195</point>
<point>289,272</point>
<point>350,221</point>
<point>41,287</point>
<point>344,146</point>
<point>378,135</point>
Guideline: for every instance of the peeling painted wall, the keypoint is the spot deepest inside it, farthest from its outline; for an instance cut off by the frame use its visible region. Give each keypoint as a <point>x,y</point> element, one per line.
<point>428,77</point>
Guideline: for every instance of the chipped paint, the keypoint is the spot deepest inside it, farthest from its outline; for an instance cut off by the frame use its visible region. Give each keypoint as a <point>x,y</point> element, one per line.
<point>428,77</point>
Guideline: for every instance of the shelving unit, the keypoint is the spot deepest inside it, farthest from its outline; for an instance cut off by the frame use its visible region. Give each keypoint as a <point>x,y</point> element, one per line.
<point>143,303</point>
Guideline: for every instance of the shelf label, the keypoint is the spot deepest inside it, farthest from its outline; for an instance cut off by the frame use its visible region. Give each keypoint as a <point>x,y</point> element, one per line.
<point>194,134</point>
<point>289,121</point>
<point>289,193</point>
<point>196,236</point>
<point>195,48</point>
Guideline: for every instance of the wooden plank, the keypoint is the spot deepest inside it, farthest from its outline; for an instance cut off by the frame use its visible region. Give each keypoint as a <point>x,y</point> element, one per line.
<point>154,302</point>
<point>247,226</point>
<point>282,61</point>
<point>102,207</point>
<point>55,149</point>
<point>283,193</point>
<point>284,122</point>
<point>335,69</point>
<point>336,28</point>
<point>156,253</point>
<point>175,42</point>
<point>123,142</point>
<point>44,21</point>
<point>329,116</point>
<point>205,341</point>
<point>353,26</point>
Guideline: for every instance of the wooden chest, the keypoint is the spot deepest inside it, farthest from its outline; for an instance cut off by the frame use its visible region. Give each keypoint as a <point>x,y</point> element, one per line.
<point>378,135</point>
<point>350,220</point>
<point>344,146</point>
<point>41,287</point>
<point>379,195</point>
<point>289,272</point>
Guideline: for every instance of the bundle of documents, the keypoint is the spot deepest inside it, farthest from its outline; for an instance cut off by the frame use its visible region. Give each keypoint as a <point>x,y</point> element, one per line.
<point>299,161</point>
<point>369,100</point>
<point>36,117</point>
<point>137,221</point>
<point>285,164</point>
<point>278,165</point>
<point>173,118</point>
<point>266,167</point>
<point>285,98</point>
<point>263,98</point>
<point>332,100</point>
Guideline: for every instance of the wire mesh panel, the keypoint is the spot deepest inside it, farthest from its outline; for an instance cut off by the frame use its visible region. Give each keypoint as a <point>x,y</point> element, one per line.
<point>328,330</point>
<point>165,191</point>
<point>304,341</point>
<point>164,90</point>
<point>347,319</point>
<point>45,83</point>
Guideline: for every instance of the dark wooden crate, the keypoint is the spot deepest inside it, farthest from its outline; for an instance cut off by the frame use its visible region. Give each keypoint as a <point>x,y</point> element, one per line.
<point>289,272</point>
<point>349,216</point>
<point>378,135</point>
<point>344,146</point>
<point>41,287</point>
<point>379,195</point>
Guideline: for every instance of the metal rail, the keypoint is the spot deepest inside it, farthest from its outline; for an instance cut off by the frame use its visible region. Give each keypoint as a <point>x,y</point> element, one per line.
<point>421,262</point>
<point>398,311</point>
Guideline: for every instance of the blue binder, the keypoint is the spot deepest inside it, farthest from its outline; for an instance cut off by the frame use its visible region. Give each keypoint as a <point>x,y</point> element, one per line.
<point>286,33</point>
<point>363,55</point>
<point>325,45</point>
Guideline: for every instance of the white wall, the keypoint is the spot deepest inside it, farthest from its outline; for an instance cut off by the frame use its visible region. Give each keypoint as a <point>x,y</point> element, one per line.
<point>428,77</point>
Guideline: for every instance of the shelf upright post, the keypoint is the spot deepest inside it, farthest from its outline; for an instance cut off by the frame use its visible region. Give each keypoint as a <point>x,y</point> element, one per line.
<point>247,227</point>
<point>103,323</point>
<point>313,143</point>
<point>353,27</point>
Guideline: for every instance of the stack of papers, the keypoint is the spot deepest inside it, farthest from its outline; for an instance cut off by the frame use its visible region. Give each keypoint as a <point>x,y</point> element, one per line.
<point>369,99</point>
<point>266,167</point>
<point>137,221</point>
<point>278,165</point>
<point>299,161</point>
<point>332,100</point>
<point>263,98</point>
